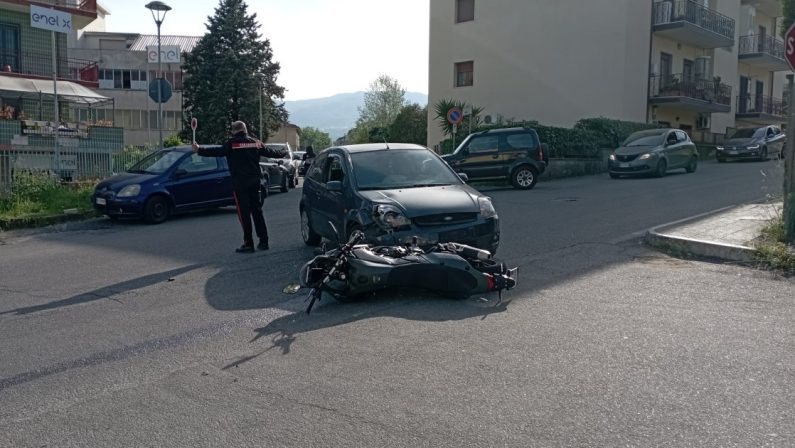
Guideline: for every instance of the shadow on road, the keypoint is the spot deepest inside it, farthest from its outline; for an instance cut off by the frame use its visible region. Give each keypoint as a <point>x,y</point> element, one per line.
<point>106,291</point>
<point>283,331</point>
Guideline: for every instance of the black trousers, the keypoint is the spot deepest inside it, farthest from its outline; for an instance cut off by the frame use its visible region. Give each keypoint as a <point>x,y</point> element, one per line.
<point>248,209</point>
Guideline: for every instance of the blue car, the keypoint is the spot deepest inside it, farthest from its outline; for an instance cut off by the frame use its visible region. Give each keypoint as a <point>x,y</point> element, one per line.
<point>165,182</point>
<point>393,193</point>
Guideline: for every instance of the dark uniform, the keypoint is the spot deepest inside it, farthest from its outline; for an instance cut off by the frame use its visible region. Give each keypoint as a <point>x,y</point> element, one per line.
<point>242,154</point>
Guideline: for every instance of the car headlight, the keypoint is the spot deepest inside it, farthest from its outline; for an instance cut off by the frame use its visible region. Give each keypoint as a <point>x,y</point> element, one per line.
<point>389,217</point>
<point>752,147</point>
<point>646,156</point>
<point>129,191</point>
<point>612,157</point>
<point>486,208</point>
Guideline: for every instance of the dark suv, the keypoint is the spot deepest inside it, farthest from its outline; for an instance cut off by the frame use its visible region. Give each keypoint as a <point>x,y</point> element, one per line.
<point>514,154</point>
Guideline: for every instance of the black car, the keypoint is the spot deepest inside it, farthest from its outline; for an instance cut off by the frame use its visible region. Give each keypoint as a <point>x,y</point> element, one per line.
<point>393,193</point>
<point>515,154</point>
<point>753,143</point>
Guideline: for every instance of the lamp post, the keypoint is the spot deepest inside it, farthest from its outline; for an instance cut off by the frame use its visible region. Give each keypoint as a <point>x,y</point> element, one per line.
<point>159,10</point>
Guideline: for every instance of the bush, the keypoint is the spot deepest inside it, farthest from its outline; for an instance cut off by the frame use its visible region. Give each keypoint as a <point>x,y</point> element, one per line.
<point>40,194</point>
<point>611,132</point>
<point>129,156</point>
<point>172,140</point>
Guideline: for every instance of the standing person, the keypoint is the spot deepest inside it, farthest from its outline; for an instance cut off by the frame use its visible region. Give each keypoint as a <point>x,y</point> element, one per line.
<point>242,154</point>
<point>310,153</point>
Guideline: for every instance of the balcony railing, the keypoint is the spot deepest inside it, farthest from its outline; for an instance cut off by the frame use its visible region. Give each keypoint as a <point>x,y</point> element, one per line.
<point>670,11</point>
<point>756,43</point>
<point>677,85</point>
<point>26,63</point>
<point>761,104</point>
<point>87,6</point>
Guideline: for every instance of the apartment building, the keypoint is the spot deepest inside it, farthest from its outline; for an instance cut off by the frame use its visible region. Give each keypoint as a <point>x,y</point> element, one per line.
<point>124,72</point>
<point>705,66</point>
<point>36,68</point>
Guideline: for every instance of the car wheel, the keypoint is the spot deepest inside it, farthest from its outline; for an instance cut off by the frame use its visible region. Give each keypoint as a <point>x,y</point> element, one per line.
<point>307,233</point>
<point>662,168</point>
<point>524,177</point>
<point>614,176</point>
<point>156,209</point>
<point>692,165</point>
<point>285,187</point>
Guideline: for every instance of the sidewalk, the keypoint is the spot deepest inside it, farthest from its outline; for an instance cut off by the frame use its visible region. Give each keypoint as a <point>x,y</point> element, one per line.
<point>727,234</point>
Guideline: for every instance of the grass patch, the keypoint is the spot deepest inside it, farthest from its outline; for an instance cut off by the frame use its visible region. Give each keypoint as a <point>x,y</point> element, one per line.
<point>36,195</point>
<point>773,250</point>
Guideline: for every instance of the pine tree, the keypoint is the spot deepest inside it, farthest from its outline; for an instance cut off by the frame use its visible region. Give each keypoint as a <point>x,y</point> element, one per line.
<point>225,74</point>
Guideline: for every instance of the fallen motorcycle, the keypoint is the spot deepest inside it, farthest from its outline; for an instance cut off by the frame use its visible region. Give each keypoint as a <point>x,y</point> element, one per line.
<point>449,269</point>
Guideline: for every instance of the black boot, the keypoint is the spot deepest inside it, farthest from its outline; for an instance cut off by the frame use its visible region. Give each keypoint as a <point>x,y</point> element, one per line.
<point>245,249</point>
<point>263,245</point>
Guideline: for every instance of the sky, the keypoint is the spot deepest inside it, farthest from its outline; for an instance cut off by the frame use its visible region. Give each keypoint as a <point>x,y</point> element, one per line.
<point>324,47</point>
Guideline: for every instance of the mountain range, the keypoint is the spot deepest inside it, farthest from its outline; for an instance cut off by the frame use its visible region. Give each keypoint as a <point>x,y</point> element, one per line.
<point>336,114</point>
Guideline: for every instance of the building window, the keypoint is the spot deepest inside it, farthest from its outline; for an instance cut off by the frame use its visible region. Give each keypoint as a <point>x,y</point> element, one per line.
<point>464,11</point>
<point>9,47</point>
<point>464,72</point>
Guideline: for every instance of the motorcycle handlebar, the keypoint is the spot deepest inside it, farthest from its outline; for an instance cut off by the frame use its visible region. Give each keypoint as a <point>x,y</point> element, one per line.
<point>356,237</point>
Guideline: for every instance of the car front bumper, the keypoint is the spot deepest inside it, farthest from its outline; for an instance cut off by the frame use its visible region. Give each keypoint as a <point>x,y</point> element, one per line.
<point>739,153</point>
<point>632,167</point>
<point>113,206</point>
<point>483,234</point>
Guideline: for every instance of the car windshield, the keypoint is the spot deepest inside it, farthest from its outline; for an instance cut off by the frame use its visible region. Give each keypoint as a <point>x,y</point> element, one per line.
<point>645,138</point>
<point>748,133</point>
<point>156,163</point>
<point>400,168</point>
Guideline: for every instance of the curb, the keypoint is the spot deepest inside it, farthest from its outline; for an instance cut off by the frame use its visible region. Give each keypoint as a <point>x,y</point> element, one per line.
<point>42,221</point>
<point>655,237</point>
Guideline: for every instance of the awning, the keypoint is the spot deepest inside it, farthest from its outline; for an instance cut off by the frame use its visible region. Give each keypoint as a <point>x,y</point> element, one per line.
<point>13,87</point>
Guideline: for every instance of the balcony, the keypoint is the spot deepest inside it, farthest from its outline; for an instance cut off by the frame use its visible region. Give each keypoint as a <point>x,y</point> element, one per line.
<point>764,52</point>
<point>26,64</point>
<point>699,95</point>
<point>83,11</point>
<point>761,109</point>
<point>691,23</point>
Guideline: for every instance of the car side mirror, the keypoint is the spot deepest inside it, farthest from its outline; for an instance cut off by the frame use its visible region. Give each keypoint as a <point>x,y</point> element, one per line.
<point>180,173</point>
<point>464,178</point>
<point>334,186</point>
<point>280,162</point>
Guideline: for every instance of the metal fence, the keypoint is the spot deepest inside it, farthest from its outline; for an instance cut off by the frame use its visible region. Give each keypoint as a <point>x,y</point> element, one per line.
<point>669,11</point>
<point>755,43</point>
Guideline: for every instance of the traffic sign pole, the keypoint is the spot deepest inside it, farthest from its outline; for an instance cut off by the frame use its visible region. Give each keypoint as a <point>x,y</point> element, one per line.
<point>194,123</point>
<point>789,160</point>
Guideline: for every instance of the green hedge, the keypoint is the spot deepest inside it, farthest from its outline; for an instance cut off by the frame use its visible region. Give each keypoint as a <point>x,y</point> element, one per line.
<point>585,140</point>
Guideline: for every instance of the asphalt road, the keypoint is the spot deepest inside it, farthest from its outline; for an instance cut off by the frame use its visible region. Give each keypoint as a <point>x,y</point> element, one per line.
<point>125,334</point>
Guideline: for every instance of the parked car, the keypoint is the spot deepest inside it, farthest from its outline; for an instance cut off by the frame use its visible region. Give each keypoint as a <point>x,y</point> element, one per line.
<point>306,161</point>
<point>287,162</point>
<point>515,154</point>
<point>654,152</point>
<point>298,160</point>
<point>753,143</point>
<point>165,182</point>
<point>393,192</point>
<point>275,175</point>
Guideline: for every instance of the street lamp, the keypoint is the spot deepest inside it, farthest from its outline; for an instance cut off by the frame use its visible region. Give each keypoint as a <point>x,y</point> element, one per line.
<point>159,10</point>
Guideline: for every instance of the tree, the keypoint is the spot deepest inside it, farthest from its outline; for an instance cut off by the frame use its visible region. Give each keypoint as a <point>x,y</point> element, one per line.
<point>315,137</point>
<point>789,15</point>
<point>410,126</point>
<point>444,105</point>
<point>382,102</point>
<point>225,74</point>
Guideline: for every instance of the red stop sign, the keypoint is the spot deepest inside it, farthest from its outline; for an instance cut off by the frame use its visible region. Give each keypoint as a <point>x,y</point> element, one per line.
<point>194,123</point>
<point>789,49</point>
